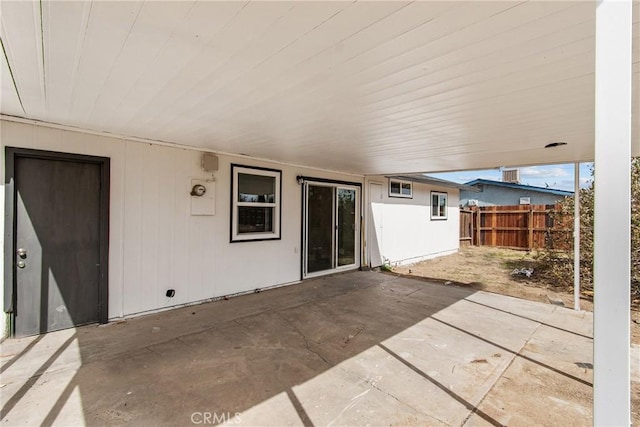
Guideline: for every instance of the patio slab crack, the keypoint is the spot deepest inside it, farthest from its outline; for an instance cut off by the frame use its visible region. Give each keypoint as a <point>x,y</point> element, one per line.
<point>391,395</point>
<point>306,341</point>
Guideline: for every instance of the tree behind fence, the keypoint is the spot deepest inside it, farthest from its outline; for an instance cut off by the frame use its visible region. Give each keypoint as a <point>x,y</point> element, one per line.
<point>549,229</point>
<point>560,263</point>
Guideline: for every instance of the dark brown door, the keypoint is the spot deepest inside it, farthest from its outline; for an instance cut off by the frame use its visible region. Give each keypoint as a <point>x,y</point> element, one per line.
<point>58,218</point>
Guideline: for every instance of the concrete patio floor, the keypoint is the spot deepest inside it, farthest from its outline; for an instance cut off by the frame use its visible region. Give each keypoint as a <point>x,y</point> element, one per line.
<point>359,348</point>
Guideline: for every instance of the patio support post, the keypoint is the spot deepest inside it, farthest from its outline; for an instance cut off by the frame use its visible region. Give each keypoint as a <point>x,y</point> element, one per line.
<point>576,237</point>
<point>611,390</point>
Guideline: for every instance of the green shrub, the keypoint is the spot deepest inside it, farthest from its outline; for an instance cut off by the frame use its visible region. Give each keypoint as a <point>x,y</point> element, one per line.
<point>557,257</point>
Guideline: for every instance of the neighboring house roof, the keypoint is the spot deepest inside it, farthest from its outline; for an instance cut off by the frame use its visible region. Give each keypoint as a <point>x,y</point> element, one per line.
<point>425,179</point>
<point>476,182</point>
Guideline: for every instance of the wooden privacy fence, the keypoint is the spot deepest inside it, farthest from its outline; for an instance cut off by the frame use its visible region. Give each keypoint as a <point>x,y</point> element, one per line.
<point>466,227</point>
<point>517,227</point>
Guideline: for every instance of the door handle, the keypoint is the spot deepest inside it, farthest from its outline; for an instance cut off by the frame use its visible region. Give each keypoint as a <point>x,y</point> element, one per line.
<point>22,253</point>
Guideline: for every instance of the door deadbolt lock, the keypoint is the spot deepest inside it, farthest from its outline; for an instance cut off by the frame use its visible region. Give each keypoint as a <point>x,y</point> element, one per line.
<point>21,264</point>
<point>22,253</point>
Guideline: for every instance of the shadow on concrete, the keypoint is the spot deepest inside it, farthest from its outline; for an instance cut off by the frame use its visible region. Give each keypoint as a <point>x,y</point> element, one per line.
<point>227,356</point>
<point>220,359</point>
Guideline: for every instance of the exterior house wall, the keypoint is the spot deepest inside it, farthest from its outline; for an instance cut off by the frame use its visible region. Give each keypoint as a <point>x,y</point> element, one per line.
<point>154,242</point>
<point>405,231</point>
<point>503,196</point>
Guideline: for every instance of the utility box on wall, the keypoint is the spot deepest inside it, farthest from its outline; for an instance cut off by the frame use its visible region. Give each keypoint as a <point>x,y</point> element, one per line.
<point>203,201</point>
<point>209,162</point>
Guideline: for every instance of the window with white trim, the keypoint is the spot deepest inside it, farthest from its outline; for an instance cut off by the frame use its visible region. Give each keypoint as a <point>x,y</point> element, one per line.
<point>399,188</point>
<point>255,203</point>
<point>438,205</point>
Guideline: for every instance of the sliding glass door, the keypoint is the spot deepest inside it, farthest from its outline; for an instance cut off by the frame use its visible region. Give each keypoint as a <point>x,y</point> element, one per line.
<point>320,227</point>
<point>331,229</point>
<point>346,227</point>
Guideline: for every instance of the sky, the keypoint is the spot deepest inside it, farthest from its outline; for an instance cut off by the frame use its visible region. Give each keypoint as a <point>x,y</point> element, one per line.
<point>559,177</point>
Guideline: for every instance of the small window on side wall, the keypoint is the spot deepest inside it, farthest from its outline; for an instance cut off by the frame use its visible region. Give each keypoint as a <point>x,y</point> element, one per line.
<point>438,205</point>
<point>255,203</point>
<point>398,188</point>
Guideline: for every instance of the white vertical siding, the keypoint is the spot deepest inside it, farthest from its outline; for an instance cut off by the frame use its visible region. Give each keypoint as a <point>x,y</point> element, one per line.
<point>155,243</point>
<point>166,184</point>
<point>408,232</point>
<point>132,239</point>
<point>180,220</point>
<point>5,317</point>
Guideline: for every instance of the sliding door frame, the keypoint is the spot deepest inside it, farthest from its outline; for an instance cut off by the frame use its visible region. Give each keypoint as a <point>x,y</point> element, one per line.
<point>336,185</point>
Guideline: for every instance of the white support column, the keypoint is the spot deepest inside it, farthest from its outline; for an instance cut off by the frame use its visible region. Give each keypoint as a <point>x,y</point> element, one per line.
<point>612,213</point>
<point>576,238</point>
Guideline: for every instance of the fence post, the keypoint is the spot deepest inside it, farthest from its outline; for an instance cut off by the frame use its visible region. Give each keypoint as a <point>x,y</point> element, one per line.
<point>494,225</point>
<point>530,227</point>
<point>472,232</point>
<point>478,212</point>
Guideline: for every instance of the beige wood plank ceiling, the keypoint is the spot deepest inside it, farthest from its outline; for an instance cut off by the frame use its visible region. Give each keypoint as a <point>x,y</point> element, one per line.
<point>363,87</point>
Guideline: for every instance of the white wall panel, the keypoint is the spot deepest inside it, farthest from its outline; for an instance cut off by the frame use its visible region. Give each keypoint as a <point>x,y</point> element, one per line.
<point>155,243</point>
<point>408,232</point>
<point>180,222</point>
<point>149,207</point>
<point>132,239</point>
<point>3,331</point>
<point>165,221</point>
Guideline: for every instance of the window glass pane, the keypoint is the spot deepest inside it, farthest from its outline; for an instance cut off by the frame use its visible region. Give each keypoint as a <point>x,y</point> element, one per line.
<point>256,188</point>
<point>320,228</point>
<point>255,219</point>
<point>434,205</point>
<point>406,189</point>
<point>443,205</point>
<point>395,187</point>
<point>346,226</point>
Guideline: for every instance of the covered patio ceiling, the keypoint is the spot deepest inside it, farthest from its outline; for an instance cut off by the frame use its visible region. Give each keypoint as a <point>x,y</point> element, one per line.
<point>366,87</point>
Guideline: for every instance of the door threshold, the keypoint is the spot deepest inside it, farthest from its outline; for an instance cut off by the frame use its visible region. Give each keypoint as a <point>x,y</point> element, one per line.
<point>330,272</point>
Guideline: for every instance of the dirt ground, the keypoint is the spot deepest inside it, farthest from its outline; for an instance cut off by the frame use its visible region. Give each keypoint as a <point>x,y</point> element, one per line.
<point>490,269</point>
